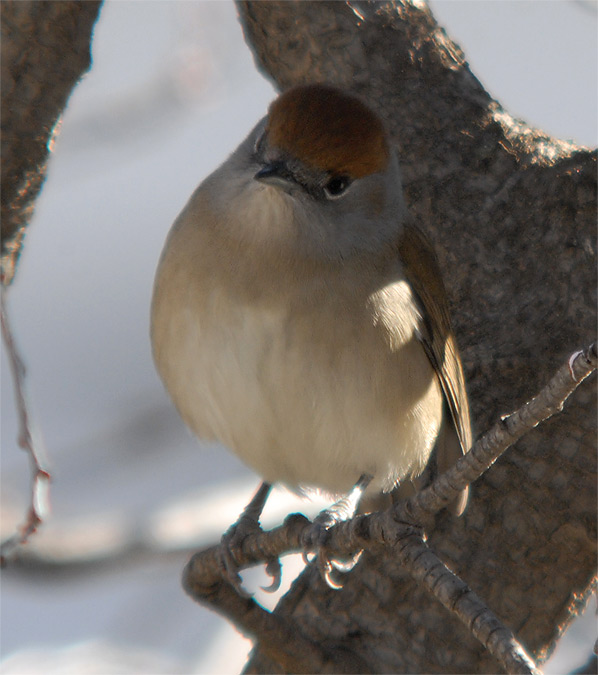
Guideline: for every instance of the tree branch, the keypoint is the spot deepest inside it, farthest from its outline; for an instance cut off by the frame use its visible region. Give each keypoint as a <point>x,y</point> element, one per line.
<point>428,570</point>
<point>45,50</point>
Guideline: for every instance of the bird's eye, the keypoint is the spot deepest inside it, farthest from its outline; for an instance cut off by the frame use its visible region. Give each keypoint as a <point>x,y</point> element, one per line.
<point>336,186</point>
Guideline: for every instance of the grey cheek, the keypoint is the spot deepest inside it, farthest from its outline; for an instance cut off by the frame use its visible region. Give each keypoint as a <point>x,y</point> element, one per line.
<point>376,202</point>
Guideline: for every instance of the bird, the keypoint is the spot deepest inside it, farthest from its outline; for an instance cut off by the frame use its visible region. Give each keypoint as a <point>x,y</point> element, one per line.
<point>299,315</point>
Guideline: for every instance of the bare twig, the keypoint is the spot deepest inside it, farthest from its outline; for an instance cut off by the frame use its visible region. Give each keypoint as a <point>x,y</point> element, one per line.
<point>459,599</point>
<point>28,440</point>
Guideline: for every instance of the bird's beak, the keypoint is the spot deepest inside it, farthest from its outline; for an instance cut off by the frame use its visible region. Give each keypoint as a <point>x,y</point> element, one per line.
<point>276,174</point>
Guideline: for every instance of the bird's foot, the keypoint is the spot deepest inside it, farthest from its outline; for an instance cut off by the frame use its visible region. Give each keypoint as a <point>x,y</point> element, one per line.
<point>328,564</point>
<point>232,541</point>
<point>230,548</point>
<point>318,535</point>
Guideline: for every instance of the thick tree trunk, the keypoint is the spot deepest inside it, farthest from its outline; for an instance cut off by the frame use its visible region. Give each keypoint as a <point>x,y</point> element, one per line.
<point>45,50</point>
<point>512,212</point>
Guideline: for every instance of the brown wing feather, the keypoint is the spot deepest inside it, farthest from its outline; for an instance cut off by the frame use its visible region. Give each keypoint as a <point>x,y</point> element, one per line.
<point>438,340</point>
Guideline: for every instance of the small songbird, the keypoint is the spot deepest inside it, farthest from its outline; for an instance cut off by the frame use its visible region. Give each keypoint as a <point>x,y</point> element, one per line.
<point>299,317</point>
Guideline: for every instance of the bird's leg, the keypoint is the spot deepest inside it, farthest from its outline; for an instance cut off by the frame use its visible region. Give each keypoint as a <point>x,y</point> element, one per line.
<point>342,510</point>
<point>248,523</point>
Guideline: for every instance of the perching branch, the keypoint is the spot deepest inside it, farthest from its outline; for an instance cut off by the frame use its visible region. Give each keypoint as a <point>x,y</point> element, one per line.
<point>204,579</point>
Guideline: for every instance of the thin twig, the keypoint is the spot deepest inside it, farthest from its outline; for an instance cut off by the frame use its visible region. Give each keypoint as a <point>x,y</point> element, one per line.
<point>427,569</point>
<point>28,441</point>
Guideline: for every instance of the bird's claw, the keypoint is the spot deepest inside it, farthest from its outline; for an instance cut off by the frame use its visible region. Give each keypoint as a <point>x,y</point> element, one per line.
<point>327,568</point>
<point>230,544</point>
<point>274,570</point>
<point>347,564</point>
<point>316,542</point>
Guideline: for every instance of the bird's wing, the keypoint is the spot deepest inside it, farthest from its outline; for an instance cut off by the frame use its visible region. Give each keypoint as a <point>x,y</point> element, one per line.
<point>423,272</point>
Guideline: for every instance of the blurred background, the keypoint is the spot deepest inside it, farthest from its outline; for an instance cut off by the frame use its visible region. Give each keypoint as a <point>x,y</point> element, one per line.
<point>172,91</point>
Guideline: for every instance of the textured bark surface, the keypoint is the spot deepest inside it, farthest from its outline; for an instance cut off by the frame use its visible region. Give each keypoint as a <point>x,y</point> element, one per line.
<point>45,50</point>
<point>512,212</point>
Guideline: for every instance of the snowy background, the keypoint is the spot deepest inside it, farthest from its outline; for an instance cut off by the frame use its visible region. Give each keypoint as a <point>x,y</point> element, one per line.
<point>172,91</point>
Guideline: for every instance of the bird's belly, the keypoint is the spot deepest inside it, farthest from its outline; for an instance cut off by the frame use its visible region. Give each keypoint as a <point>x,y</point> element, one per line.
<point>306,401</point>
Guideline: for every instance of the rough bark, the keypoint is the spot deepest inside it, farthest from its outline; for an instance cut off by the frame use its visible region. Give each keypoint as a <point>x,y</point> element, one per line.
<point>45,50</point>
<point>512,212</point>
